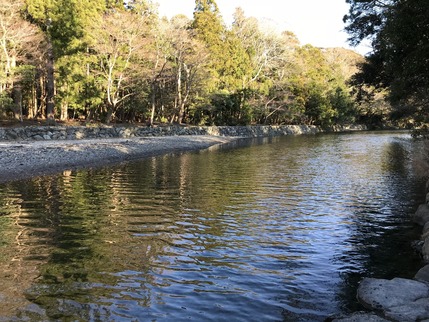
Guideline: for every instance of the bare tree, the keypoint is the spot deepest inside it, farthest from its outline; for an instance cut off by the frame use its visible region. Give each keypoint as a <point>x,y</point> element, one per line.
<point>190,57</point>
<point>120,43</point>
<point>21,44</point>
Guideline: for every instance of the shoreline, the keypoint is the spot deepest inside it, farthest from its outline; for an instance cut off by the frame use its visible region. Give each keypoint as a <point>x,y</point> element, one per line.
<point>22,160</point>
<point>33,151</point>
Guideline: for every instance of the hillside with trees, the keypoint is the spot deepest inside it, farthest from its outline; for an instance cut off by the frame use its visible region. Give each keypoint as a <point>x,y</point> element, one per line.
<point>103,61</point>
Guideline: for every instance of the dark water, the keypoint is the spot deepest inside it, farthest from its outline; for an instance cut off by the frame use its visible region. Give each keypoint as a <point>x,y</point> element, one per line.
<point>271,230</point>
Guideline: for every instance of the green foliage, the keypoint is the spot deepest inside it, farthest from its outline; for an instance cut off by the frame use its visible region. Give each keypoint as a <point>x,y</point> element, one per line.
<point>209,29</point>
<point>6,102</point>
<point>227,109</point>
<point>319,90</point>
<point>119,61</point>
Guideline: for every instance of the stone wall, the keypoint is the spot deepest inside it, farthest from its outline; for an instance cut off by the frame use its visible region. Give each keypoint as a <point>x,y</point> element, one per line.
<point>100,132</point>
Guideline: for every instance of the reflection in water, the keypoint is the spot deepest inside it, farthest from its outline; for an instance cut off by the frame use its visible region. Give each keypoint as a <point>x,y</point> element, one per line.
<point>276,229</point>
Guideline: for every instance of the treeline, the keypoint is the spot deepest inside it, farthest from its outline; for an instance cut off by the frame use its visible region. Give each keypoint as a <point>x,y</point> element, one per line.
<point>103,60</point>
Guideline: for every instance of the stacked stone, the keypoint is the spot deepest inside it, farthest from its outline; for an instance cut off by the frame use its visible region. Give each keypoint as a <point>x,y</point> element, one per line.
<point>104,132</point>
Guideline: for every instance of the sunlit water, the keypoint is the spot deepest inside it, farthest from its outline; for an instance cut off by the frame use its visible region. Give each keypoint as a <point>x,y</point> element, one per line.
<point>269,230</point>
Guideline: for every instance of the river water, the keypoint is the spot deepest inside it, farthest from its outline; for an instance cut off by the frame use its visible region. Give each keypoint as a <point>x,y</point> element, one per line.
<point>277,229</point>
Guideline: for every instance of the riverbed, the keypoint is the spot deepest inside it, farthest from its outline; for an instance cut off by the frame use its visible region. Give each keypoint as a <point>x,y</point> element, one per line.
<point>255,230</point>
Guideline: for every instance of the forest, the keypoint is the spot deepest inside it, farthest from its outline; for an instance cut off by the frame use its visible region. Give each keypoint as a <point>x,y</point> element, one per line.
<point>106,61</point>
<point>110,61</point>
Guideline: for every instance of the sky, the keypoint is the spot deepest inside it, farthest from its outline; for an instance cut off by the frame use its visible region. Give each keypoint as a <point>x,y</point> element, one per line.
<point>315,22</point>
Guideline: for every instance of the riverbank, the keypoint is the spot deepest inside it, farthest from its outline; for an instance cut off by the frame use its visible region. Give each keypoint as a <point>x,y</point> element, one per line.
<point>40,150</point>
<point>25,159</point>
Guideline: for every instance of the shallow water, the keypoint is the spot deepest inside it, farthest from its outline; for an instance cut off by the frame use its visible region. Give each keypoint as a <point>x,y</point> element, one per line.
<point>277,229</point>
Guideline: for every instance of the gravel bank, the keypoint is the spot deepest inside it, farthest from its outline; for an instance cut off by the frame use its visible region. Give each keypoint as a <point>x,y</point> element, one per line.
<point>25,159</point>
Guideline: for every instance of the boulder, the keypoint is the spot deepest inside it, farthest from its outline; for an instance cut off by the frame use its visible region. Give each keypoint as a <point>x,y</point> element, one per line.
<point>398,299</point>
<point>425,250</point>
<point>423,274</point>
<point>361,317</point>
<point>409,312</point>
<point>421,216</point>
<point>425,232</point>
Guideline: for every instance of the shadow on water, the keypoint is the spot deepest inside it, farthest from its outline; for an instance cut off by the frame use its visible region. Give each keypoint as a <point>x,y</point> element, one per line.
<point>381,231</point>
<point>268,229</point>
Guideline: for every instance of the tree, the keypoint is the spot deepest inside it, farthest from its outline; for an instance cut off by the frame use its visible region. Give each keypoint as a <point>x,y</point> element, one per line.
<point>270,55</point>
<point>40,13</point>
<point>71,38</point>
<point>119,44</point>
<point>21,45</point>
<point>158,59</point>
<point>399,32</point>
<point>318,89</point>
<point>209,29</point>
<point>189,56</point>
<point>366,19</point>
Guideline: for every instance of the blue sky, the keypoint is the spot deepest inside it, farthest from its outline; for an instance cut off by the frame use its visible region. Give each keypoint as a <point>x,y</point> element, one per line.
<point>317,22</point>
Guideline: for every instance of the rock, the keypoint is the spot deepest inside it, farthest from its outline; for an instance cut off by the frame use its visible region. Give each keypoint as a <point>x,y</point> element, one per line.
<point>421,216</point>
<point>12,135</point>
<point>425,250</point>
<point>423,274</point>
<point>399,299</point>
<point>361,317</point>
<point>417,246</point>
<point>410,312</point>
<point>425,232</point>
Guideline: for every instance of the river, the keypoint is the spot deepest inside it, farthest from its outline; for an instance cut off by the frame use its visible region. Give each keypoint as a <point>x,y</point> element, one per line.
<point>278,229</point>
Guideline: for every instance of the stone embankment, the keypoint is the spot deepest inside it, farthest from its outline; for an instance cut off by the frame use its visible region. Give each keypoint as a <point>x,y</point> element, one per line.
<point>33,151</point>
<point>399,299</point>
<point>106,132</point>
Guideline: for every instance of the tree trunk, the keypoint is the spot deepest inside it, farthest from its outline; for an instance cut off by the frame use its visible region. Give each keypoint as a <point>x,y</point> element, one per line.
<point>64,111</point>
<point>110,113</point>
<point>32,105</point>
<point>17,102</point>
<point>153,103</point>
<point>179,101</point>
<point>90,115</point>
<point>50,86</point>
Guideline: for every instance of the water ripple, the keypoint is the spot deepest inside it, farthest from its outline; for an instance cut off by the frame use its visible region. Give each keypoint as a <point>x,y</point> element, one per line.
<point>262,232</point>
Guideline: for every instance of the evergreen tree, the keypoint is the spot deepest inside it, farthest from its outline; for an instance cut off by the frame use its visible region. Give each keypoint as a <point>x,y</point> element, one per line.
<point>399,62</point>
<point>209,29</point>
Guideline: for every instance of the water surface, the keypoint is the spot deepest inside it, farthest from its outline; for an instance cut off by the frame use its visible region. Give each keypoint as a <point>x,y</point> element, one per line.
<point>277,229</point>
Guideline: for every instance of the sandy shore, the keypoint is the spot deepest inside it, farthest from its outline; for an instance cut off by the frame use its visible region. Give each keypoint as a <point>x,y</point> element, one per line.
<point>25,159</point>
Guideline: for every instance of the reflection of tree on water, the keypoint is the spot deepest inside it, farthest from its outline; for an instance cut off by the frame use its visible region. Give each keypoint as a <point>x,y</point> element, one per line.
<point>150,235</point>
<point>56,234</point>
<point>19,263</point>
<point>381,231</point>
<point>98,227</point>
<point>23,249</point>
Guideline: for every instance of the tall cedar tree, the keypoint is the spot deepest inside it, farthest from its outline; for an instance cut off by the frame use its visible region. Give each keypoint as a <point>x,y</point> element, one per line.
<point>209,29</point>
